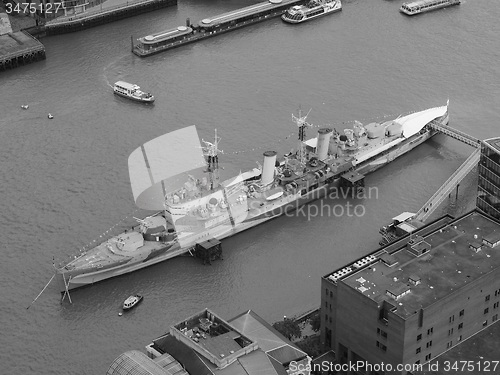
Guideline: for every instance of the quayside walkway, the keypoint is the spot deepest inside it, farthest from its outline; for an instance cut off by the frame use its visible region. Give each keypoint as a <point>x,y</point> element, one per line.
<point>455,179</point>
<point>446,189</point>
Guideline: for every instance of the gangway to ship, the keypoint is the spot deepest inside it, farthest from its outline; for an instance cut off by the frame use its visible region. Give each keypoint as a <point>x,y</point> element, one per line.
<point>455,133</point>
<point>452,182</point>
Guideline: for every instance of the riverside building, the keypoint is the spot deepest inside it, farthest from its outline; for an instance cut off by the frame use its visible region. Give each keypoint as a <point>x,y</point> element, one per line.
<point>488,198</point>
<point>408,302</point>
<point>205,344</point>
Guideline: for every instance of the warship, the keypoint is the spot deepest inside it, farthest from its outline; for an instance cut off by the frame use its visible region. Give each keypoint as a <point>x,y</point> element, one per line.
<point>178,180</point>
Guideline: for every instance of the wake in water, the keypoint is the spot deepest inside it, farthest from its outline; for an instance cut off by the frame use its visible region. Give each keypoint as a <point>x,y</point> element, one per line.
<point>115,69</point>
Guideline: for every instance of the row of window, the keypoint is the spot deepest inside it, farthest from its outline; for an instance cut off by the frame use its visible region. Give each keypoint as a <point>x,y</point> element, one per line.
<point>489,174</point>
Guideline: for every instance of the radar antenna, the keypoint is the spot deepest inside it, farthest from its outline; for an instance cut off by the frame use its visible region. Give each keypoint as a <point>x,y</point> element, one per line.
<point>211,150</point>
<point>302,124</point>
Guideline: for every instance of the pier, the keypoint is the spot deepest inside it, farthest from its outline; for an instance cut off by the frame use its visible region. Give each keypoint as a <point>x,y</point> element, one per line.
<point>99,15</point>
<point>165,40</point>
<point>19,48</point>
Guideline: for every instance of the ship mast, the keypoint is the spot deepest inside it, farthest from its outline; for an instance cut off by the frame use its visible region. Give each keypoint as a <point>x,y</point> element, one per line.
<point>302,124</point>
<point>211,151</point>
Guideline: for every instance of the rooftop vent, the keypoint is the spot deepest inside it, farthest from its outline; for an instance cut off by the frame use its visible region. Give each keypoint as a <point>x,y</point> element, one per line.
<point>475,246</point>
<point>414,279</point>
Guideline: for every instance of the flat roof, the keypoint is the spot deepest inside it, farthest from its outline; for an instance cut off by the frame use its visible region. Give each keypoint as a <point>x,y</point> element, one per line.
<point>244,12</point>
<point>165,35</point>
<point>448,266</point>
<point>494,143</point>
<point>126,85</point>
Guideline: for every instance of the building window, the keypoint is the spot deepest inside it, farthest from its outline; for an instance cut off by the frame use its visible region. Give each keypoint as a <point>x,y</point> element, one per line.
<point>419,337</point>
<point>485,323</point>
<point>449,344</point>
<point>326,304</point>
<point>326,317</point>
<point>462,312</point>
<point>486,310</point>
<point>326,292</point>
<point>450,332</point>
<point>494,318</point>
<point>495,305</point>
<point>430,330</point>
<point>382,333</point>
<point>331,294</point>
<point>452,318</point>
<point>417,362</point>
<point>429,344</point>
<point>330,319</point>
<point>418,350</point>
<point>381,346</point>
<point>459,338</point>
<point>460,326</point>
<point>428,356</point>
<point>487,298</point>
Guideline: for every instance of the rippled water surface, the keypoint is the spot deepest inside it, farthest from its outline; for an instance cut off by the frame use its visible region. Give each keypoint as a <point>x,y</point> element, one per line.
<point>65,181</point>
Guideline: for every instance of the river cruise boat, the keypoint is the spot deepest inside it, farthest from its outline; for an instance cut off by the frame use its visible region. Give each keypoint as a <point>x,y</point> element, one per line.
<point>313,9</point>
<point>131,91</point>
<point>421,6</point>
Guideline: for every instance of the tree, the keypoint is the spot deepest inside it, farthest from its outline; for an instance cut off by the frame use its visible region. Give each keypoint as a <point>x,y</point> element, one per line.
<point>288,328</point>
<point>315,322</point>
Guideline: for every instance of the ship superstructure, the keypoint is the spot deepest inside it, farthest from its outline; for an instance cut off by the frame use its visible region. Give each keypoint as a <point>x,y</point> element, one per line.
<point>178,179</point>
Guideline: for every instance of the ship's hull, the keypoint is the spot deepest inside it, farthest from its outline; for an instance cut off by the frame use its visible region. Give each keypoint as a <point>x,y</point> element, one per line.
<point>77,278</point>
<point>135,98</point>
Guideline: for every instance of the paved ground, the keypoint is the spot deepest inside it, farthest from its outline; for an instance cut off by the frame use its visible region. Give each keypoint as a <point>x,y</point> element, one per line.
<point>106,5</point>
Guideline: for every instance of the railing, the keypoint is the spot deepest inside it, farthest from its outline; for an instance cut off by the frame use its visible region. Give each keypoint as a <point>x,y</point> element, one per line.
<point>455,133</point>
<point>450,184</point>
<point>21,52</point>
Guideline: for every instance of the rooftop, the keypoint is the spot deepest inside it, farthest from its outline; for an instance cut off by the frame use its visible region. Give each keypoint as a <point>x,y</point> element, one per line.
<point>245,12</point>
<point>445,265</point>
<point>493,143</point>
<point>249,345</point>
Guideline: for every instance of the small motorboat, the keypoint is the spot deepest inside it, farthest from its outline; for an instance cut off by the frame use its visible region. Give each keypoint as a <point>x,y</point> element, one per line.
<point>24,106</point>
<point>50,116</point>
<point>132,301</point>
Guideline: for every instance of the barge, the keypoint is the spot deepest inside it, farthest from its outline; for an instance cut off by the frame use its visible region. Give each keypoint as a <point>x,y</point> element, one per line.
<point>207,27</point>
<point>422,6</point>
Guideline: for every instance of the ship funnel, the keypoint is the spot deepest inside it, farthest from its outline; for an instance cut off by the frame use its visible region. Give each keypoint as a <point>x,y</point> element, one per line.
<point>268,167</point>
<point>324,136</point>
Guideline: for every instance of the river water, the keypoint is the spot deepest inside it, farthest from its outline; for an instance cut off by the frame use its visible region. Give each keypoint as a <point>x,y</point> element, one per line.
<point>65,181</point>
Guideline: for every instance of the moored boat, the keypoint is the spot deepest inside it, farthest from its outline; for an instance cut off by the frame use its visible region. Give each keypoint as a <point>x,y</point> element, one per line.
<point>310,10</point>
<point>421,6</point>
<point>132,91</point>
<point>178,179</point>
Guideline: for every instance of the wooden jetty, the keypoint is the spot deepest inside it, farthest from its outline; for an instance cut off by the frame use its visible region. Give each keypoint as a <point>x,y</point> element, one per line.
<point>19,48</point>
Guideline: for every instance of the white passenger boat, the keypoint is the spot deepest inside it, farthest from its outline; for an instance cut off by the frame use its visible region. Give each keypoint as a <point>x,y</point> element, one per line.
<point>421,6</point>
<point>131,91</point>
<point>313,9</point>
